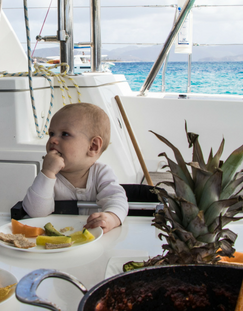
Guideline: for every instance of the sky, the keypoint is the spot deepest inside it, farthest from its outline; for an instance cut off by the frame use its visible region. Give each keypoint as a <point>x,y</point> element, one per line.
<point>129,22</point>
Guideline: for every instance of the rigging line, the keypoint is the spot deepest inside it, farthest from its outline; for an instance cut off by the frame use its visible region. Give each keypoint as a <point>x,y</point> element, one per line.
<point>133,6</point>
<point>194,44</point>
<point>216,5</point>
<point>105,6</point>
<point>215,44</point>
<point>41,28</point>
<point>147,43</point>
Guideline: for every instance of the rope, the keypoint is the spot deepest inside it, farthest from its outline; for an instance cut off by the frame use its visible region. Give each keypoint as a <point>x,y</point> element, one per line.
<point>40,135</point>
<point>47,71</point>
<point>42,28</point>
<point>44,72</point>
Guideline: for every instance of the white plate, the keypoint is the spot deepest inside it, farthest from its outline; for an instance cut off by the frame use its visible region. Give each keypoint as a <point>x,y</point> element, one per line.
<point>59,222</point>
<point>115,264</point>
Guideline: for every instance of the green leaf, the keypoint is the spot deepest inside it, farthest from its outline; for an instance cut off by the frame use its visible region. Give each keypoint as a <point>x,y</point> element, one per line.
<point>217,208</point>
<point>179,158</point>
<point>191,137</point>
<point>211,190</point>
<point>201,177</point>
<point>236,207</point>
<point>230,188</point>
<point>207,238</point>
<point>210,156</point>
<point>231,165</point>
<point>174,206</point>
<point>183,190</point>
<point>224,220</point>
<point>189,212</point>
<point>175,168</point>
<point>214,162</point>
<point>197,226</point>
<point>197,155</point>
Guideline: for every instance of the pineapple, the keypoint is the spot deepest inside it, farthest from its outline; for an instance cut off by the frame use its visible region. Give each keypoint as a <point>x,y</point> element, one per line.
<point>205,200</point>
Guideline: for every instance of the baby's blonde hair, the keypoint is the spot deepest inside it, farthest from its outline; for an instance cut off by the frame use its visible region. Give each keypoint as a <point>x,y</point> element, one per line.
<point>95,120</point>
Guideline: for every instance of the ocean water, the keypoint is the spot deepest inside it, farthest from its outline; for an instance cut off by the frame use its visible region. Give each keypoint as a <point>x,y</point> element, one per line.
<point>206,77</point>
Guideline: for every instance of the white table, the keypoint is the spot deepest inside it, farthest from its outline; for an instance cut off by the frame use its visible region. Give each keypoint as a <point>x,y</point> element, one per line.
<point>135,239</point>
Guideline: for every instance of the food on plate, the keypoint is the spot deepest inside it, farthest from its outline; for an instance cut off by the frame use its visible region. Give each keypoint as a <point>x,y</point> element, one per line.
<point>27,231</point>
<point>89,236</point>
<point>23,243</point>
<point>17,240</point>
<point>4,291</point>
<point>9,238</point>
<point>50,238</point>
<point>66,229</point>
<point>83,236</point>
<point>60,241</point>
<point>55,246</point>
<point>51,231</point>
<point>42,240</point>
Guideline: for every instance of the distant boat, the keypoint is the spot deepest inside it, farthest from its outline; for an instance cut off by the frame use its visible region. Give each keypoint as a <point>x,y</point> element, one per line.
<point>81,63</point>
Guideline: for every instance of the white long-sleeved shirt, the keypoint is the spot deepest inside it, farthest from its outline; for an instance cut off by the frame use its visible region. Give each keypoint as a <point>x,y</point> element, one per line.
<point>102,187</point>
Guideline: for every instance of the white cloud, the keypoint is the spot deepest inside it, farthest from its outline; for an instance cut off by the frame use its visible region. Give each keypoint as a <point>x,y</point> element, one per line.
<point>214,25</point>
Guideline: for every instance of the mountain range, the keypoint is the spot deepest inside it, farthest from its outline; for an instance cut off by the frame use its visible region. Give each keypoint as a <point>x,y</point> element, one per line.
<point>227,53</point>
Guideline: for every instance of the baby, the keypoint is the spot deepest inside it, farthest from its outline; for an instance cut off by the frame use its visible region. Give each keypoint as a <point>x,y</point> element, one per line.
<point>78,135</point>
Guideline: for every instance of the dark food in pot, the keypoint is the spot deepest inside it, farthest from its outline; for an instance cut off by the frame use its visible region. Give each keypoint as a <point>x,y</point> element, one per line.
<point>177,295</point>
<point>169,288</point>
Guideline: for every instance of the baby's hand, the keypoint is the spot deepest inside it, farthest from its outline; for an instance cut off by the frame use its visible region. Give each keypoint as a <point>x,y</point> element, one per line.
<point>105,220</point>
<point>53,163</point>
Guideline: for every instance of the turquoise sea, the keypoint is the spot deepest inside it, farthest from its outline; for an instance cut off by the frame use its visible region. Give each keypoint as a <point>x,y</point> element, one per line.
<point>206,77</point>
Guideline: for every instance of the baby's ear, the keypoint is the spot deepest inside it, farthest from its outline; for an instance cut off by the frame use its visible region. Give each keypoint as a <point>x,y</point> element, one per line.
<point>95,146</point>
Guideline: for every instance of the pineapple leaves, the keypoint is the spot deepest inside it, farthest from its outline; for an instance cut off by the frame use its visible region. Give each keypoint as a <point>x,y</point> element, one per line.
<point>197,155</point>
<point>202,201</point>
<point>217,208</point>
<point>178,157</point>
<point>197,225</point>
<point>228,235</point>
<point>230,188</point>
<point>214,162</point>
<point>175,168</point>
<point>230,166</point>
<point>174,206</point>
<point>189,212</point>
<point>201,177</point>
<point>211,190</point>
<point>183,190</point>
<point>227,249</point>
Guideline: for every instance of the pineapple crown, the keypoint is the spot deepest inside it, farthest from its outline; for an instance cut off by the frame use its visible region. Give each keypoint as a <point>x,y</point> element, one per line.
<point>205,200</point>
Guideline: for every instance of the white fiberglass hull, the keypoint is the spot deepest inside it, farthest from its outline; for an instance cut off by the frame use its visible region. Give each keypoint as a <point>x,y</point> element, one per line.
<point>21,151</point>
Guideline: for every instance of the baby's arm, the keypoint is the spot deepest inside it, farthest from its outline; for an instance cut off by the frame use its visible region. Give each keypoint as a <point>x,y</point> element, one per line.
<point>111,197</point>
<point>105,220</point>
<point>39,199</point>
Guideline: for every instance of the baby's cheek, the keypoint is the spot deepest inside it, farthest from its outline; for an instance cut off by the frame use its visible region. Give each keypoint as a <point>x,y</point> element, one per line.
<point>47,146</point>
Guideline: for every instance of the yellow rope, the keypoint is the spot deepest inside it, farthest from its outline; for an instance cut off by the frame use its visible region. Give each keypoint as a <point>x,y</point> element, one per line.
<point>61,80</point>
<point>46,72</point>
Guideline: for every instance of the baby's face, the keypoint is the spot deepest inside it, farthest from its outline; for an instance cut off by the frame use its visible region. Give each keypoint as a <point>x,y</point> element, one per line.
<point>67,136</point>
